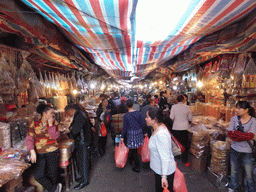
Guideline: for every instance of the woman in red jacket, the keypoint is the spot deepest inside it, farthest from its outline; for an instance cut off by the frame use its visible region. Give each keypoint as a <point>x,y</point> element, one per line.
<point>42,143</point>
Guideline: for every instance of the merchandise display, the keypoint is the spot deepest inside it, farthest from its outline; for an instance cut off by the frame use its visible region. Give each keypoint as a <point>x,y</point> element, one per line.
<point>11,169</point>
<point>220,157</point>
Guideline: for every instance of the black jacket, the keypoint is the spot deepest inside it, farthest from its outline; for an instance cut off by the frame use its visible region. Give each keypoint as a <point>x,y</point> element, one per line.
<point>81,129</point>
<point>162,102</point>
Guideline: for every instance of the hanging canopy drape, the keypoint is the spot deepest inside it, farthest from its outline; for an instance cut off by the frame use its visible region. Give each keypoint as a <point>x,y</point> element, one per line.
<point>106,29</point>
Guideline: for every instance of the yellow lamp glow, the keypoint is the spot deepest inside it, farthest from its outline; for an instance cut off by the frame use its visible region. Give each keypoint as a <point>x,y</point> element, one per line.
<point>199,84</point>
<point>74,92</point>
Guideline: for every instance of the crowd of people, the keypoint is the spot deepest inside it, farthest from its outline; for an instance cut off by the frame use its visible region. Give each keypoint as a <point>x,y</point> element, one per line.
<point>152,116</point>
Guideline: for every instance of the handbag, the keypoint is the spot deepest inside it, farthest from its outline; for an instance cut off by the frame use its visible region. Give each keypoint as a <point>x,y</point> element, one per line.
<point>253,146</point>
<point>177,147</point>
<point>144,151</point>
<point>121,154</point>
<point>103,130</point>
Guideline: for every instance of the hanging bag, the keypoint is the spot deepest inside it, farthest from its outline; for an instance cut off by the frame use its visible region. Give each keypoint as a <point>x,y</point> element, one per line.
<point>103,130</point>
<point>177,147</point>
<point>121,154</point>
<point>143,150</point>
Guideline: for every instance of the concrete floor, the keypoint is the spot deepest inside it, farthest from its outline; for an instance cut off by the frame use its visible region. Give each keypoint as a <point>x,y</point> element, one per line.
<point>106,177</point>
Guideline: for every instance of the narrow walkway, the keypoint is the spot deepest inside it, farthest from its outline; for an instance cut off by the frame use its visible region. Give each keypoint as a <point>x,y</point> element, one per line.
<point>106,177</point>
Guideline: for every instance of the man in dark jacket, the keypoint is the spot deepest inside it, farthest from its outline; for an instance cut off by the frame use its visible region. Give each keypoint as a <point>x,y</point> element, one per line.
<point>162,101</point>
<point>80,130</point>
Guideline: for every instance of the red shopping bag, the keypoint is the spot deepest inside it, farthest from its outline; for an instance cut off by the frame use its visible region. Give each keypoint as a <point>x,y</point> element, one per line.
<point>103,130</point>
<point>121,154</point>
<point>143,150</point>
<point>177,147</point>
<point>166,190</point>
<point>179,183</point>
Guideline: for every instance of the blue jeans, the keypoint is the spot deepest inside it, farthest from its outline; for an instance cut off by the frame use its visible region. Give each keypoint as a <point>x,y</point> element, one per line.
<point>240,161</point>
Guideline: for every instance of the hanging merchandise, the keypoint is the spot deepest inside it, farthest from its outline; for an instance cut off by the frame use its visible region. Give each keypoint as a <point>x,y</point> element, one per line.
<point>33,90</point>
<point>41,80</point>
<point>207,69</point>
<point>216,65</point>
<point>249,74</point>
<point>71,87</point>
<point>73,81</point>
<point>57,81</point>
<point>79,83</point>
<point>240,64</point>
<point>226,62</point>
<point>53,90</point>
<point>25,73</point>
<point>47,86</point>
<point>7,83</point>
<point>200,74</point>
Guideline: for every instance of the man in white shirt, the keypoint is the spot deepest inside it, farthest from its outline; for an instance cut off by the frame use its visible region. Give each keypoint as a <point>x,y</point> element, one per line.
<point>181,116</point>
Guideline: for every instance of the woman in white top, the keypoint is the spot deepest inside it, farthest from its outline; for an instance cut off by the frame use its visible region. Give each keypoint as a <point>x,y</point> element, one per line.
<point>161,157</point>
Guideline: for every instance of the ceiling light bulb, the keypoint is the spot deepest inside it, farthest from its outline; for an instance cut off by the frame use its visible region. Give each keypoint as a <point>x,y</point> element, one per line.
<point>74,92</point>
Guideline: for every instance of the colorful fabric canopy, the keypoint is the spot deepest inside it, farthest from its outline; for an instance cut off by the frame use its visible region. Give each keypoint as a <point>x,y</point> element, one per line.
<point>107,30</point>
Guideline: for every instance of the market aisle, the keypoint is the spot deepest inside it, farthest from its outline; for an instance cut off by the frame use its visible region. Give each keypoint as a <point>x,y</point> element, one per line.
<point>106,177</point>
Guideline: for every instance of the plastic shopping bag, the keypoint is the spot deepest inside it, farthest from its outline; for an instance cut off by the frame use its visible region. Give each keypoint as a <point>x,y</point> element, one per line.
<point>179,183</point>
<point>121,154</point>
<point>143,150</point>
<point>103,130</point>
<point>177,148</point>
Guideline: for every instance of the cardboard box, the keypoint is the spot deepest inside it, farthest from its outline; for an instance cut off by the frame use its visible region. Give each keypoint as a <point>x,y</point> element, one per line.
<point>13,185</point>
<point>199,164</point>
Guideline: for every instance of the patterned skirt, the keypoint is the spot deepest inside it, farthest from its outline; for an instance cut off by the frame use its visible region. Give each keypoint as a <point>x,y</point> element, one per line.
<point>135,138</point>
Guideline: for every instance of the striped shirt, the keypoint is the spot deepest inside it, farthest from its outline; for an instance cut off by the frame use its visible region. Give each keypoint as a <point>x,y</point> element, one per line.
<point>43,138</point>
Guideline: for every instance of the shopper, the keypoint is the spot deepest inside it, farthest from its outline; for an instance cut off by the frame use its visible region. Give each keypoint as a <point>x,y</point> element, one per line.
<point>144,111</point>
<point>42,143</point>
<point>116,99</point>
<point>133,130</point>
<point>161,157</point>
<point>181,116</point>
<point>81,131</point>
<point>104,116</point>
<point>163,101</point>
<point>156,99</point>
<point>122,107</point>
<point>241,157</point>
<point>186,99</point>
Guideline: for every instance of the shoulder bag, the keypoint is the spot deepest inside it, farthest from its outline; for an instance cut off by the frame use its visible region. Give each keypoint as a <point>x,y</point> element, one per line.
<point>252,145</point>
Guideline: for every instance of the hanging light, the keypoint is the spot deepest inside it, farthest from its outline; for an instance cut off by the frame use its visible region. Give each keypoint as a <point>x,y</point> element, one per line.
<point>199,84</point>
<point>74,91</point>
<point>102,87</point>
<point>92,86</point>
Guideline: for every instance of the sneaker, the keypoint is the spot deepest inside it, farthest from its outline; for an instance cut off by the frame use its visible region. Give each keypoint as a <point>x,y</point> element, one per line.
<point>59,187</point>
<point>187,164</point>
<point>230,190</point>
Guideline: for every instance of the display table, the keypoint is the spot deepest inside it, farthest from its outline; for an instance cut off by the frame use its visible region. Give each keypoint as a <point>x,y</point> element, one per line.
<point>66,147</point>
<point>11,170</point>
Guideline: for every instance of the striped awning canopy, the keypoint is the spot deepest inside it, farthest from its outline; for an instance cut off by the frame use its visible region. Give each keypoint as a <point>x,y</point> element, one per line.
<point>107,30</point>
